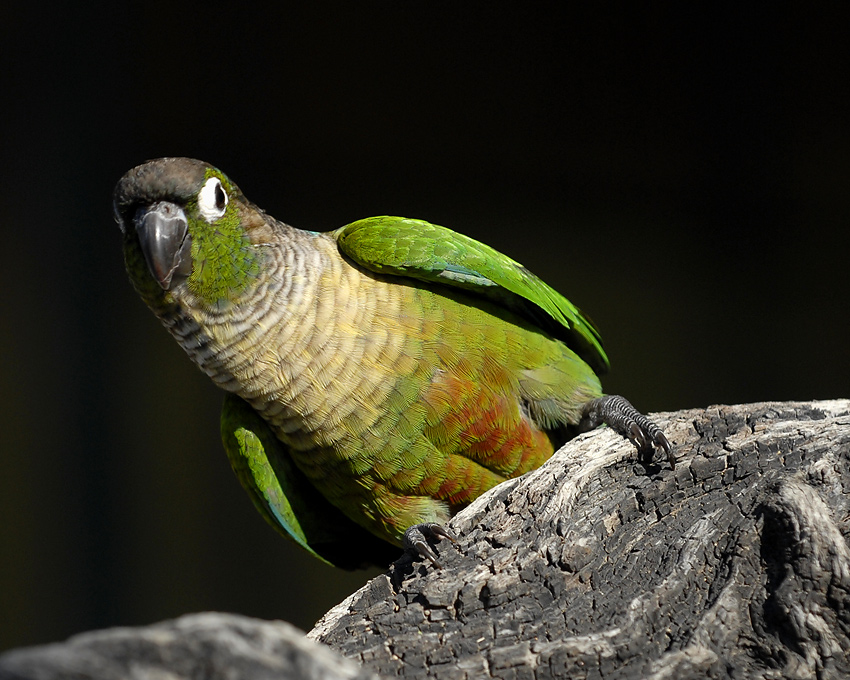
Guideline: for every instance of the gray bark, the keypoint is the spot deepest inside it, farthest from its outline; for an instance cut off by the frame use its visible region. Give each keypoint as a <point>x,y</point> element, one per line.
<point>735,564</point>
<point>210,645</point>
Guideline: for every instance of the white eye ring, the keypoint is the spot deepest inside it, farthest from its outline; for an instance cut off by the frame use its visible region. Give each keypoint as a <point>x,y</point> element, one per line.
<point>212,200</point>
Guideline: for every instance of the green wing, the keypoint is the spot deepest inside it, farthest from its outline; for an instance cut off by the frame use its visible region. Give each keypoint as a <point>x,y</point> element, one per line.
<point>284,496</point>
<point>396,245</point>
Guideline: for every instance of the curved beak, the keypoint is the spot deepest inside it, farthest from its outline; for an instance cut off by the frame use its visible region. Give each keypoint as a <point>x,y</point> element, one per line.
<point>165,241</point>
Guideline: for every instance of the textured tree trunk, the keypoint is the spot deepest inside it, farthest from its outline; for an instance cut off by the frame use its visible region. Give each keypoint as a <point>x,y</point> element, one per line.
<point>735,564</point>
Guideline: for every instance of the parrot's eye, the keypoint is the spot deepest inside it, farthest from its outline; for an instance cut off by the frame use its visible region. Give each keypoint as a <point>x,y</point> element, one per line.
<point>212,200</point>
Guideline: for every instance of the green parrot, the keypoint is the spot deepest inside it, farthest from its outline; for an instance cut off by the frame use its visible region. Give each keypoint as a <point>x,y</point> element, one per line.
<point>379,377</point>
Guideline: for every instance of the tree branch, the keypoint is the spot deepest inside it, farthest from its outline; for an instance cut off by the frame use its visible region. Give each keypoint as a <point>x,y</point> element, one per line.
<point>735,563</point>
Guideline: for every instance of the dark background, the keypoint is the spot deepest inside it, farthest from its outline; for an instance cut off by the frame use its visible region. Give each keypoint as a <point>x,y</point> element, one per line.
<point>683,177</point>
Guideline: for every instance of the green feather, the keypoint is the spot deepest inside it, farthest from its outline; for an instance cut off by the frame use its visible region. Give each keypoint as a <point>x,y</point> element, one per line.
<point>225,262</point>
<point>285,498</point>
<point>425,251</point>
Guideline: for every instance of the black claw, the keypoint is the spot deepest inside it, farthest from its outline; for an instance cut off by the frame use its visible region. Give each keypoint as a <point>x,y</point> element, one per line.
<point>617,412</point>
<point>662,441</point>
<point>637,437</point>
<point>416,540</point>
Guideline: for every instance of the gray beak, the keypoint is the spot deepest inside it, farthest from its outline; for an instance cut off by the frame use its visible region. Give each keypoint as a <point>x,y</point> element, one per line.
<point>166,243</point>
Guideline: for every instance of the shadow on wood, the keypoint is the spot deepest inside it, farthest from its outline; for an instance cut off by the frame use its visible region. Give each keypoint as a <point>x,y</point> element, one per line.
<point>735,564</point>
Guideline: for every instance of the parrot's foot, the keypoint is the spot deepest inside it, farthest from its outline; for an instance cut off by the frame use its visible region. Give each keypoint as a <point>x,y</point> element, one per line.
<point>416,540</point>
<point>616,412</point>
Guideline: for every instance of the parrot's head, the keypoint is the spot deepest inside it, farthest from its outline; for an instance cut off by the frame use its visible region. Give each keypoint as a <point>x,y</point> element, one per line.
<point>188,232</point>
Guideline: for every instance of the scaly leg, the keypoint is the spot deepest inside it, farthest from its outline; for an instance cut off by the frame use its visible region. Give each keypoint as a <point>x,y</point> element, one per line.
<point>618,413</point>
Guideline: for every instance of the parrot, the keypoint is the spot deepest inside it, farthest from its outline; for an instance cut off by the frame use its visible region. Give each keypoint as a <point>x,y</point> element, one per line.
<point>378,378</point>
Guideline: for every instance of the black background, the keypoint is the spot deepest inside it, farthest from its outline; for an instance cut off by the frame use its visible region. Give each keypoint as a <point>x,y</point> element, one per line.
<point>681,176</point>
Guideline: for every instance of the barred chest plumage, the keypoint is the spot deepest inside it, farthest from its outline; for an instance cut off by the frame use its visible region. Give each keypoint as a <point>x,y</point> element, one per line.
<point>313,341</point>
